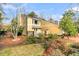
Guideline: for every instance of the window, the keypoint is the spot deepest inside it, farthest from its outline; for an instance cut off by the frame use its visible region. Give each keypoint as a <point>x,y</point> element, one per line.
<point>36,22</point>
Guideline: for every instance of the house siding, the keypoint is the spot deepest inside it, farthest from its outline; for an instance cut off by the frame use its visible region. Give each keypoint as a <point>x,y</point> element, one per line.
<point>42,26</point>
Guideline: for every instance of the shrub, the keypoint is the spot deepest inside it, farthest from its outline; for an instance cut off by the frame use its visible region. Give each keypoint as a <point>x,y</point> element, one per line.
<point>41,38</point>
<point>46,45</point>
<point>53,52</point>
<point>61,46</point>
<point>55,36</point>
<point>52,37</point>
<point>74,54</point>
<point>75,49</point>
<point>31,39</point>
<point>75,45</point>
<point>20,30</point>
<point>57,52</point>
<point>48,39</point>
<point>2,33</point>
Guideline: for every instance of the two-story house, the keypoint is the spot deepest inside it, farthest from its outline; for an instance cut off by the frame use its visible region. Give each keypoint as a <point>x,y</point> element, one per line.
<point>33,26</point>
<point>36,25</point>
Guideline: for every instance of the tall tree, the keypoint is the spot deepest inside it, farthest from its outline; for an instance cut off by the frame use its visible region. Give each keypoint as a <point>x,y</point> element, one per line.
<point>1,16</point>
<point>32,14</point>
<point>67,23</point>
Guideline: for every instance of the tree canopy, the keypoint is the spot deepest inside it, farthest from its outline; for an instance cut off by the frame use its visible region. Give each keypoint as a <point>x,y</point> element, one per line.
<point>67,23</point>
<point>32,14</point>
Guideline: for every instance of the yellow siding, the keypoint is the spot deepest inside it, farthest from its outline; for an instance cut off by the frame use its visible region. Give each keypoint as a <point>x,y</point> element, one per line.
<point>44,25</point>
<point>50,27</point>
<point>29,24</point>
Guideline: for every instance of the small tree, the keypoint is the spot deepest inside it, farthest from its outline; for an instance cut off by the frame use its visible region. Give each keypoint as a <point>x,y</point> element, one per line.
<point>14,28</point>
<point>67,23</point>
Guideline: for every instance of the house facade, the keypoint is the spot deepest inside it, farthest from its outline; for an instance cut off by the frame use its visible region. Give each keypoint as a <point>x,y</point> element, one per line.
<point>36,25</point>
<point>33,26</point>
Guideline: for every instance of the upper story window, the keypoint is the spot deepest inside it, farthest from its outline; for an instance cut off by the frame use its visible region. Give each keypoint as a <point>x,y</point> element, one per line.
<point>36,22</point>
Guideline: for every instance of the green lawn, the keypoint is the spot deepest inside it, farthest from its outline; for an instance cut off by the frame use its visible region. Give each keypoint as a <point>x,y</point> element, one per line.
<point>23,50</point>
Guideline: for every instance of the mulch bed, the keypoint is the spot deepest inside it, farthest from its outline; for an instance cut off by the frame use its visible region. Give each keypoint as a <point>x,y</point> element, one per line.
<point>11,42</point>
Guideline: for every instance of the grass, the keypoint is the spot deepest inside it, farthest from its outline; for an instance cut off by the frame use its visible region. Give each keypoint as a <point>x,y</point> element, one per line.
<point>23,50</point>
<point>27,50</point>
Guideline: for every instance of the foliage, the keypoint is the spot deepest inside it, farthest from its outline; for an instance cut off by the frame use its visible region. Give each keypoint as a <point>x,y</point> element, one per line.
<point>77,25</point>
<point>67,24</point>
<point>46,39</point>
<point>32,14</point>
<point>57,52</point>
<point>75,45</point>
<point>74,54</point>
<point>58,45</point>
<point>20,30</point>
<point>2,33</point>
<point>1,16</point>
<point>1,13</point>
<point>75,48</point>
<point>53,52</point>
<point>14,27</point>
<point>31,39</point>
<point>52,36</point>
<point>42,38</point>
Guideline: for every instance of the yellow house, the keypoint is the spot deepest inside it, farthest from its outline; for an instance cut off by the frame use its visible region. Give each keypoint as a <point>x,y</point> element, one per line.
<point>36,25</point>
<point>33,26</point>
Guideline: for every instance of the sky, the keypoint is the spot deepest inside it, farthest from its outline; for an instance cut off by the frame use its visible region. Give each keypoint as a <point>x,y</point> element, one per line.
<point>46,10</point>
